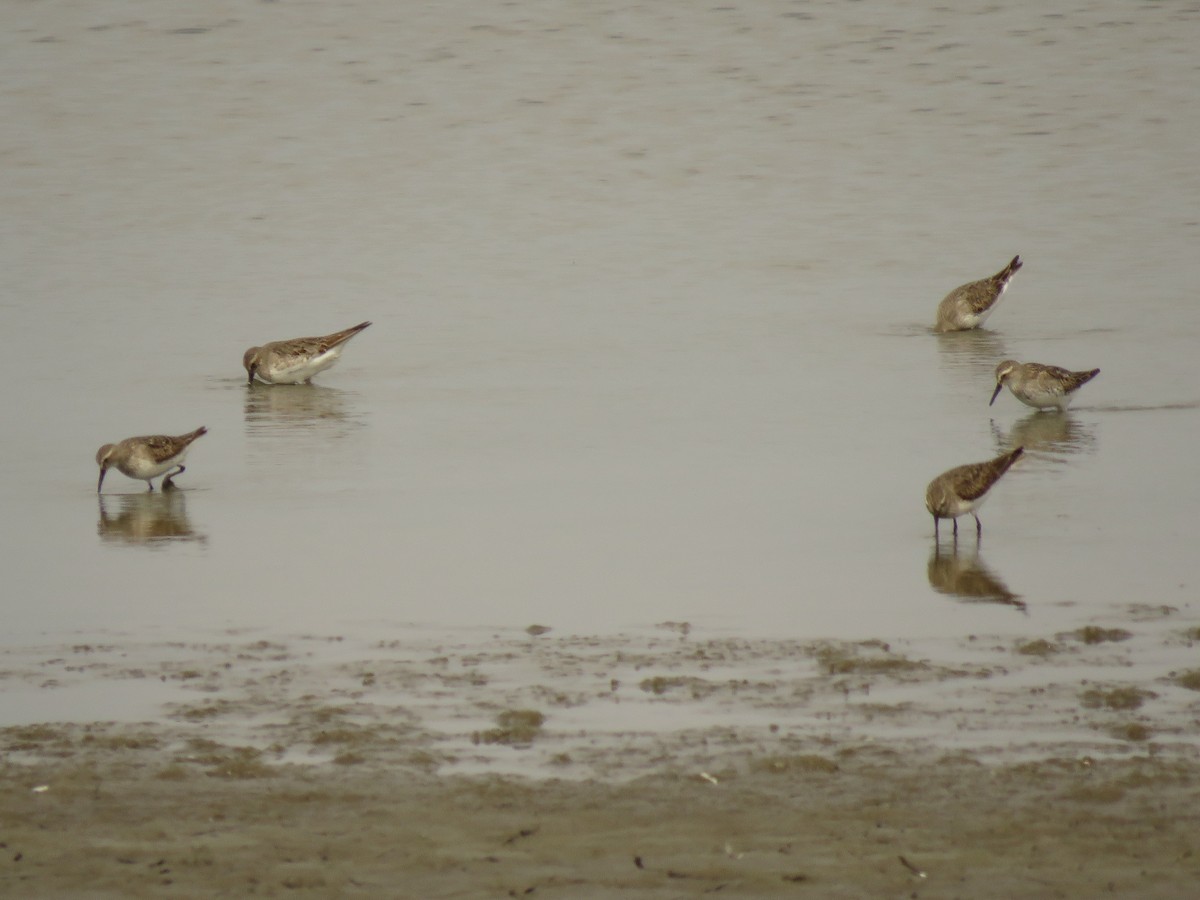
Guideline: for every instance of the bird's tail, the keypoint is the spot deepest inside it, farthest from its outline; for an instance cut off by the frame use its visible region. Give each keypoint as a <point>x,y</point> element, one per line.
<point>342,336</point>
<point>1004,463</point>
<point>1008,271</point>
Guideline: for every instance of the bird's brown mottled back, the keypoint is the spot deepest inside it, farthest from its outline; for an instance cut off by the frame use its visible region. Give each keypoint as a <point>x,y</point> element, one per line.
<point>974,479</point>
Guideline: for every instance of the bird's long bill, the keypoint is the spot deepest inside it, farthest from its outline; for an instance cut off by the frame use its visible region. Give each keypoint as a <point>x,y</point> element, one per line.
<point>996,392</point>
<point>100,483</point>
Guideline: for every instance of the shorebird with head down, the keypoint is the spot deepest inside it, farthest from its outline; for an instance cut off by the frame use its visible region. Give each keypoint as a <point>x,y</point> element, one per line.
<point>969,305</point>
<point>145,458</point>
<point>963,489</point>
<point>1039,386</point>
<point>297,360</point>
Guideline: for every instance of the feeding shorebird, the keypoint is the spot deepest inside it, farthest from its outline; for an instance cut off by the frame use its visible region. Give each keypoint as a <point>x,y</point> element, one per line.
<point>963,489</point>
<point>296,361</point>
<point>1039,386</point>
<point>969,305</point>
<point>147,457</point>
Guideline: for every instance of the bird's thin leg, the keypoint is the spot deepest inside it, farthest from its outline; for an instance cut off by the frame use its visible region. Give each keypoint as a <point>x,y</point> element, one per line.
<point>978,527</point>
<point>955,527</point>
<point>167,482</point>
<point>935,529</point>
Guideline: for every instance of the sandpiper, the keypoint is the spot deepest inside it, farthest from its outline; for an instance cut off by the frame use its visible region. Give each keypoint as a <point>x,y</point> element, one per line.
<point>147,457</point>
<point>1039,386</point>
<point>963,489</point>
<point>296,361</point>
<point>969,305</point>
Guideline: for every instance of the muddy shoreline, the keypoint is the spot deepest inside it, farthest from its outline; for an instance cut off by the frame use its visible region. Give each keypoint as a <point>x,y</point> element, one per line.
<point>662,764</point>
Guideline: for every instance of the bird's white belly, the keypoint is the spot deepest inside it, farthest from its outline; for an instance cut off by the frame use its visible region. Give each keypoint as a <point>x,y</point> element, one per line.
<point>144,469</point>
<point>297,372</point>
<point>968,320</point>
<point>960,507</point>
<point>1042,399</point>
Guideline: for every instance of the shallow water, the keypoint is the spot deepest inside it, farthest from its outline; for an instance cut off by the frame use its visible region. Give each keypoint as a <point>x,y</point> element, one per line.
<point>651,288</point>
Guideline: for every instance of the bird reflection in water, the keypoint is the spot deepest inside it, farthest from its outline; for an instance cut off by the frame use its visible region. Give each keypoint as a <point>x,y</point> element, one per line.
<point>975,352</point>
<point>962,574</point>
<point>1051,433</point>
<point>270,407</point>
<point>144,518</point>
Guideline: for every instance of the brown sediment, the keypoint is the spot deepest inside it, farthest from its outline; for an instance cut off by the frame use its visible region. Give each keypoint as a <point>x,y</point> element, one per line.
<point>605,767</point>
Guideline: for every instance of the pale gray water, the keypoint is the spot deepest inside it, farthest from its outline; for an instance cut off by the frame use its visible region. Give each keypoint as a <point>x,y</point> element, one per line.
<point>651,288</point>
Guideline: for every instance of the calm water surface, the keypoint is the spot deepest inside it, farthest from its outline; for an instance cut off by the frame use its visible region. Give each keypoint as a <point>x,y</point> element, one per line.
<point>651,289</point>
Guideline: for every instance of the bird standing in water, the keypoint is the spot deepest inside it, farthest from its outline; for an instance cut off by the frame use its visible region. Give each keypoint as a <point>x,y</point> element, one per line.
<point>297,360</point>
<point>969,305</point>
<point>1039,386</point>
<point>963,489</point>
<point>147,457</point>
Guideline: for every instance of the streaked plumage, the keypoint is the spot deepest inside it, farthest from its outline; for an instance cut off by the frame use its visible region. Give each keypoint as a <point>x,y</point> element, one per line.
<point>963,489</point>
<point>969,305</point>
<point>146,457</point>
<point>1039,386</point>
<point>297,360</point>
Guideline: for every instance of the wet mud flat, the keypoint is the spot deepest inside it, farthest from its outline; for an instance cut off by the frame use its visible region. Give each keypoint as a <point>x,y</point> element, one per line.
<point>661,764</point>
